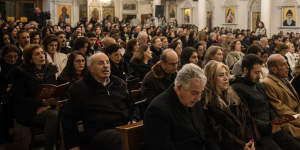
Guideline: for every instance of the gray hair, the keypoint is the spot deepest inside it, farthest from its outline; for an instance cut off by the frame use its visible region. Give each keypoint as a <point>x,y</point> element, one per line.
<point>141,34</point>
<point>90,60</point>
<point>188,72</point>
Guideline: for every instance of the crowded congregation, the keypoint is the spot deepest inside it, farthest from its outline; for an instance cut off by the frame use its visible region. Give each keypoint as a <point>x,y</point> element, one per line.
<point>167,80</point>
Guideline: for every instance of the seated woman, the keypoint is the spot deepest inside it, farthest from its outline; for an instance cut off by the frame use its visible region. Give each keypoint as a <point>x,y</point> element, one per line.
<point>230,120</point>
<point>235,54</point>
<point>118,67</point>
<point>75,68</point>
<point>140,61</point>
<point>189,55</point>
<point>8,61</point>
<point>131,47</point>
<point>213,53</point>
<point>52,47</point>
<point>29,109</point>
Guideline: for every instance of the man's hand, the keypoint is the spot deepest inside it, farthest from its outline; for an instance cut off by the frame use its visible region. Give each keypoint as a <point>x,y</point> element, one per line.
<point>42,109</point>
<point>249,145</point>
<point>275,128</point>
<point>75,148</point>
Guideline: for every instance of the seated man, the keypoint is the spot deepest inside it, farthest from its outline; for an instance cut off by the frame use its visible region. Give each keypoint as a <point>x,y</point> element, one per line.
<point>100,100</point>
<point>281,93</point>
<point>161,76</point>
<point>174,119</point>
<point>252,93</point>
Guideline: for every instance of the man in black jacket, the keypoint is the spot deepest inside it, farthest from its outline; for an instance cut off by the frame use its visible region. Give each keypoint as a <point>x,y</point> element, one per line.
<point>252,93</point>
<point>161,76</point>
<point>174,119</point>
<point>100,100</point>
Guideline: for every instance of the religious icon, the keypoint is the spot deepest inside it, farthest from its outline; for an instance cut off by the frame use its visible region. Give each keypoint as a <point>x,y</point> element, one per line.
<point>230,15</point>
<point>64,12</point>
<point>289,16</point>
<point>187,15</point>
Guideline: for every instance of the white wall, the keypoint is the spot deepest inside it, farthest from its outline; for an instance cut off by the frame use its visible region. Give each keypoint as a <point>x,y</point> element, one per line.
<point>277,13</point>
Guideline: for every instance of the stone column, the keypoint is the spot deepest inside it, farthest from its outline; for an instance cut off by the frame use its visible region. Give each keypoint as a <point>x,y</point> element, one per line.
<point>201,19</point>
<point>266,15</point>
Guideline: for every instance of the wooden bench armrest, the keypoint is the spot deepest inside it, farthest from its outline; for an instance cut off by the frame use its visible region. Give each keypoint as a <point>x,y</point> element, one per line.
<point>131,135</point>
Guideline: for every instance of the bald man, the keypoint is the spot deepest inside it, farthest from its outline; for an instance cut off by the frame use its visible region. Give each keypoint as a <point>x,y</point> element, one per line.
<point>281,93</point>
<point>161,76</point>
<point>101,101</point>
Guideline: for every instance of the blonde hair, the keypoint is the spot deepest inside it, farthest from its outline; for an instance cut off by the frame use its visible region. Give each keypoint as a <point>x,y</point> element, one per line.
<point>213,95</point>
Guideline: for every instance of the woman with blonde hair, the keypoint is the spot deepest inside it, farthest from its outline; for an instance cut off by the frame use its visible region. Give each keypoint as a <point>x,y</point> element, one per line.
<point>291,55</point>
<point>231,122</point>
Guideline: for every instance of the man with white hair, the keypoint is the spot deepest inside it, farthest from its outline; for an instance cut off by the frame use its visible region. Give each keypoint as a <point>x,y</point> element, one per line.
<point>101,101</point>
<point>175,119</point>
<point>142,38</point>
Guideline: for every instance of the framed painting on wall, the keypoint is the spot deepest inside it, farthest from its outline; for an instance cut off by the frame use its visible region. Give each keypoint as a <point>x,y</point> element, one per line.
<point>289,17</point>
<point>255,20</point>
<point>172,11</point>
<point>187,15</point>
<point>94,13</point>
<point>64,14</point>
<point>131,6</point>
<point>230,15</point>
<point>108,11</point>
<point>83,11</point>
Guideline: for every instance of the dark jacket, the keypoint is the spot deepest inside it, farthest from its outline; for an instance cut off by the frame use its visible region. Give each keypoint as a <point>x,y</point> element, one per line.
<point>155,54</point>
<point>4,80</point>
<point>156,81</point>
<point>296,84</point>
<point>66,50</point>
<point>254,96</point>
<point>25,89</point>
<point>232,126</point>
<point>169,125</point>
<point>121,70</point>
<point>99,107</point>
<point>140,69</point>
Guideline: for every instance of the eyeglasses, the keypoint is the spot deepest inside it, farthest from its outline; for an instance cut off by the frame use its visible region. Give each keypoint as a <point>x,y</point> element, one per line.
<point>79,61</point>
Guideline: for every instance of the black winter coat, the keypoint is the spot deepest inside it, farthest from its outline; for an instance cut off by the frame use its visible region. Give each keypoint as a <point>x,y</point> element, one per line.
<point>99,107</point>
<point>25,89</point>
<point>254,96</point>
<point>169,125</point>
<point>296,84</point>
<point>156,81</point>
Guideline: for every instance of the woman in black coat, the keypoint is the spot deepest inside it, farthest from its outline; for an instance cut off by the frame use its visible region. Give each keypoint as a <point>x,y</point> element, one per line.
<point>30,110</point>
<point>230,121</point>
<point>8,62</point>
<point>140,62</point>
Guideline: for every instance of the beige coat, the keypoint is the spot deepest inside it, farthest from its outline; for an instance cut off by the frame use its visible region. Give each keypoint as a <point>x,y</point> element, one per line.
<point>284,101</point>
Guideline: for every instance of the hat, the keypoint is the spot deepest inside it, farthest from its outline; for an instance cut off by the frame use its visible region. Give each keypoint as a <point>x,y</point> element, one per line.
<point>289,12</point>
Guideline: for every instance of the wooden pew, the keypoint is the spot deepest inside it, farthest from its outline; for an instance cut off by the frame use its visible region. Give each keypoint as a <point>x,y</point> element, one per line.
<point>132,136</point>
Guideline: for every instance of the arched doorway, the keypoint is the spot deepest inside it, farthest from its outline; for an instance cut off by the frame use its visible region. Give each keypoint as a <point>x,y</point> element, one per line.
<point>254,15</point>
<point>209,14</point>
